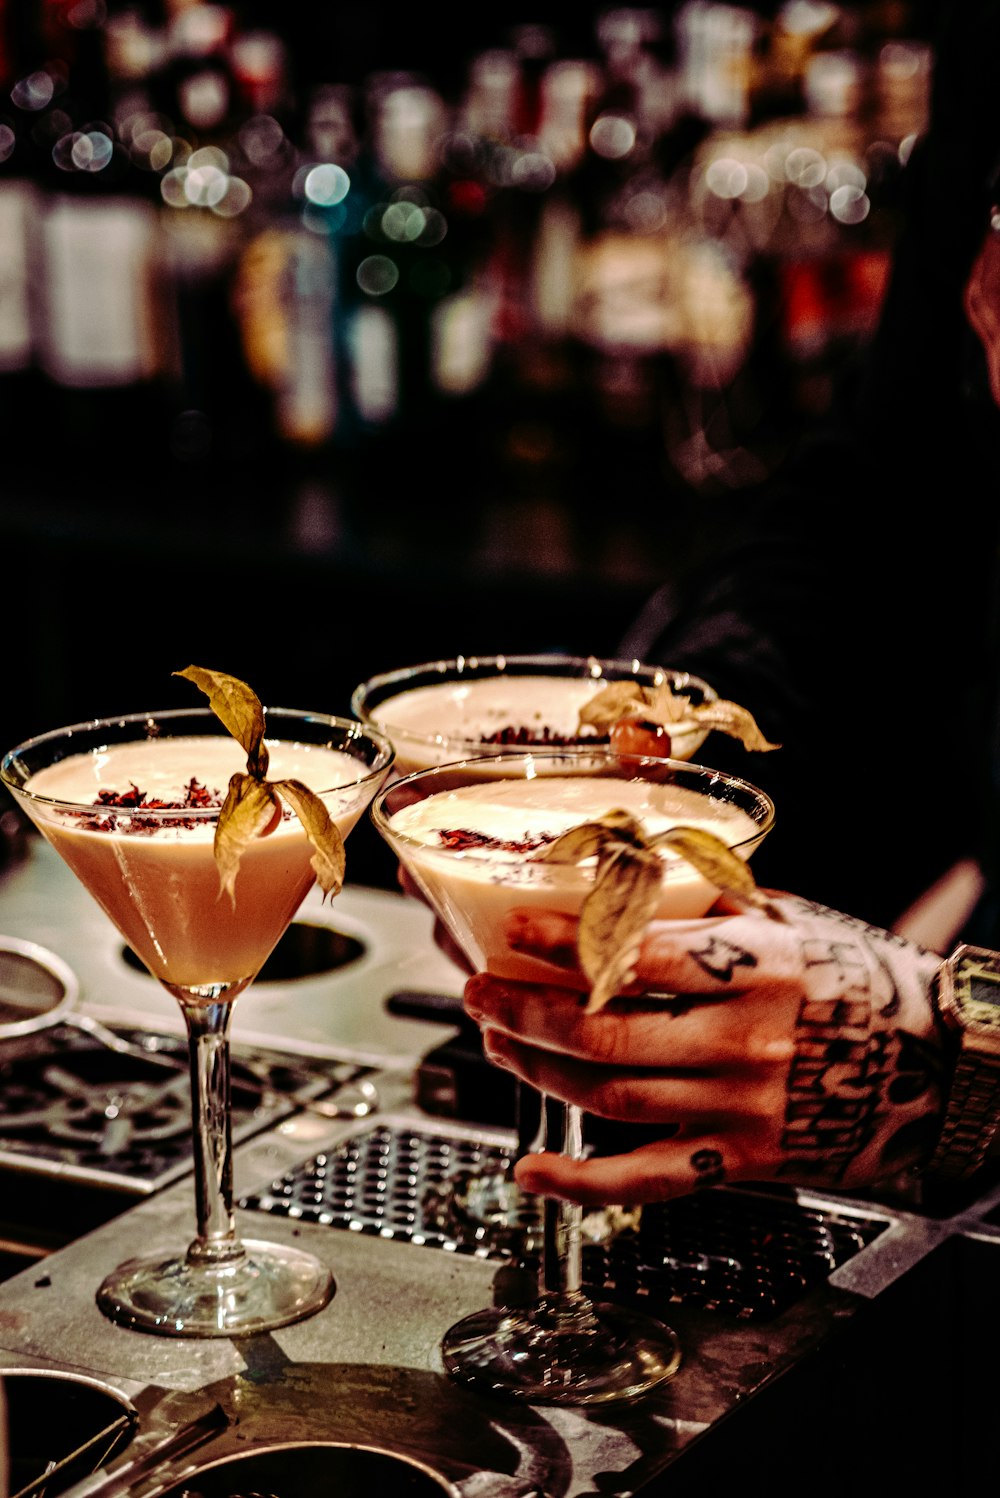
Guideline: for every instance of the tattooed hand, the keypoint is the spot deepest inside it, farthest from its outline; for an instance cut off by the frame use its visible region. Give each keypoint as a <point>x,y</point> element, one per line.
<point>803,1049</point>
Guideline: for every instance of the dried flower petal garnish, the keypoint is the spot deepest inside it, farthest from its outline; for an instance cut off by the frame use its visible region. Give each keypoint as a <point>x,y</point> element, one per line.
<point>661,704</point>
<point>711,856</point>
<point>253,801</point>
<point>626,890</point>
<point>136,811</point>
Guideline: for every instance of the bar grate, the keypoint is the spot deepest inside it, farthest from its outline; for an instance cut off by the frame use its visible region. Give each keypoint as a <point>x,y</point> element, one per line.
<point>745,1254</point>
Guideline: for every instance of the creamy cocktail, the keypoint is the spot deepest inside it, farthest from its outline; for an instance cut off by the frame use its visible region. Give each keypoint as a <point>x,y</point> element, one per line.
<point>199,831</point>
<point>474,850</point>
<point>153,870</point>
<point>450,710</point>
<point>618,841</point>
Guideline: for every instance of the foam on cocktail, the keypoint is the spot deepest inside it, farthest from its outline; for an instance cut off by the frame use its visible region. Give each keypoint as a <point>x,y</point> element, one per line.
<point>426,723</point>
<point>154,873</point>
<point>471,847</point>
<point>478,710</point>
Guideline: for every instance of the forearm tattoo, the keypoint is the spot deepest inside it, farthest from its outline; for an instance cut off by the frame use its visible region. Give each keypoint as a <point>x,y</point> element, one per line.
<point>840,1064</point>
<point>854,1063</point>
<point>851,1065</point>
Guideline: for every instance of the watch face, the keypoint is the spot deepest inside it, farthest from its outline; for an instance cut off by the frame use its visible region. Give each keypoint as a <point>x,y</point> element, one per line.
<point>977,988</point>
<point>984,990</point>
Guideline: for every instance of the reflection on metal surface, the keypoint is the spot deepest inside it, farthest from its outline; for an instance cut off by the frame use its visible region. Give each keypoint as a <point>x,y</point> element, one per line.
<point>70,1106</point>
<point>38,991</point>
<point>303,1471</point>
<point>61,1428</point>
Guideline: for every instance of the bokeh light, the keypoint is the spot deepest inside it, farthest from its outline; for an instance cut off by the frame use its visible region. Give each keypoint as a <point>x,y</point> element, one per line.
<point>613,136</point>
<point>377,274</point>
<point>325,185</point>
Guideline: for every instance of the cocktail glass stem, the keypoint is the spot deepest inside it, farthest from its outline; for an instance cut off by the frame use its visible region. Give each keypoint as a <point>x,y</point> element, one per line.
<point>208,1027</point>
<point>562,1245</point>
<point>564,1348</point>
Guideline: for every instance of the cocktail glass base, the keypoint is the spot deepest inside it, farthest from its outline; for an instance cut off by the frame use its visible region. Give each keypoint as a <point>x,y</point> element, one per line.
<point>564,1350</point>
<point>263,1286</point>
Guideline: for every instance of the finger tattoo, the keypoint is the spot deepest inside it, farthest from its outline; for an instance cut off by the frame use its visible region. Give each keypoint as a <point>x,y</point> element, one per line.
<point>709,1168</point>
<point>720,958</point>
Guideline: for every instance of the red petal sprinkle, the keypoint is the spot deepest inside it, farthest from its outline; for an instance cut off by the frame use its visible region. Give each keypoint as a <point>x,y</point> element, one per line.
<point>462,840</point>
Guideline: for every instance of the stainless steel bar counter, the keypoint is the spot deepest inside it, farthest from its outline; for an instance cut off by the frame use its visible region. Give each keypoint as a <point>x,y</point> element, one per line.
<point>865,1362</point>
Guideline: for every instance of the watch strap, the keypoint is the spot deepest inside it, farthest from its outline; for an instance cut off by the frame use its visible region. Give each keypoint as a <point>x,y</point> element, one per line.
<point>971,1117</point>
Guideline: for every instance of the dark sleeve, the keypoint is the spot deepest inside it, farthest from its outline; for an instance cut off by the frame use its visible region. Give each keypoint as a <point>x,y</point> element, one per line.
<point>846,600</point>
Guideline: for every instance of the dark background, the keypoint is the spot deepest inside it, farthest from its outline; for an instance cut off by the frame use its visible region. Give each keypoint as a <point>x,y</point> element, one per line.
<point>536,516</point>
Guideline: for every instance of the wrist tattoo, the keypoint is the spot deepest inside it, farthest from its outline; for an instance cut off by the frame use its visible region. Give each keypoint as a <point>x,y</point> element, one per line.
<point>848,1064</point>
<point>855,923</point>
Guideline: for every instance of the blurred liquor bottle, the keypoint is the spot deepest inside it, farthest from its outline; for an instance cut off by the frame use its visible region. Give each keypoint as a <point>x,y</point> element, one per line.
<point>411,335</point>
<point>97,274</point>
<point>864,107</point>
<point>793,200</point>
<point>285,289</point>
<point>625,303</point>
<point>502,114</point>
<point>215,194</point>
<point>19,225</point>
<point>197,87</point>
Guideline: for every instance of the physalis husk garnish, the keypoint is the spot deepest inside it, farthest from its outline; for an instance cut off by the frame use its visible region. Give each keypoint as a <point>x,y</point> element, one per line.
<point>252,800</point>
<point>626,890</point>
<point>661,704</point>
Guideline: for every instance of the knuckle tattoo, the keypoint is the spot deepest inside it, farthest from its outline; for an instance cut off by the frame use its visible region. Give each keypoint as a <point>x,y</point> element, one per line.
<point>720,958</point>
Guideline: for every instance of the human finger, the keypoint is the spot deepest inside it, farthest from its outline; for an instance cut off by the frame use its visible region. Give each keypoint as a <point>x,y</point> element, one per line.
<point>710,955</point>
<point>548,935</point>
<point>641,1095</point>
<point>670,1031</point>
<point>653,1173</point>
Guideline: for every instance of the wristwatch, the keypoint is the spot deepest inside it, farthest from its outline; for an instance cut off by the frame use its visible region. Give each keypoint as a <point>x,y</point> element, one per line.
<point>968,1002</point>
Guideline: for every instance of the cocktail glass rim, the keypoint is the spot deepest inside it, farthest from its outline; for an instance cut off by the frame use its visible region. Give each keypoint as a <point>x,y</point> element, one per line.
<point>352,728</point>
<point>574,757</point>
<point>481,667</point>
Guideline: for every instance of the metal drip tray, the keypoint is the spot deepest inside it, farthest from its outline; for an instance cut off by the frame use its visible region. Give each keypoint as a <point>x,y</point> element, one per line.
<point>71,1106</point>
<point>744,1254</point>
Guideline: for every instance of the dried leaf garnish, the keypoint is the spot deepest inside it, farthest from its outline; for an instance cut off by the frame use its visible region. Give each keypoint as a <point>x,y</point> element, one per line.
<point>328,860</point>
<point>620,699</point>
<point>248,808</point>
<point>238,708</point>
<point>713,858</point>
<point>617,910</point>
<point>252,800</point>
<point>661,704</point>
<point>626,889</point>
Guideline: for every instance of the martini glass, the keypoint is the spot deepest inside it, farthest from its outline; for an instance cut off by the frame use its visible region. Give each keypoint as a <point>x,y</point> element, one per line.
<point>449,710</point>
<point>490,704</point>
<point>465,833</point>
<point>151,867</point>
